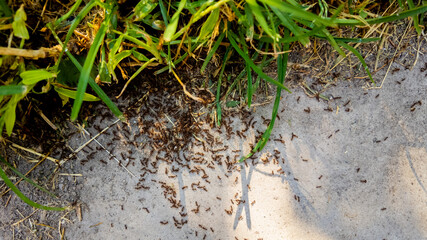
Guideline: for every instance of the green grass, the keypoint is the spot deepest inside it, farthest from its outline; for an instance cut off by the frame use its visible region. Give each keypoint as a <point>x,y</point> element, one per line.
<point>164,34</point>
<point>24,198</point>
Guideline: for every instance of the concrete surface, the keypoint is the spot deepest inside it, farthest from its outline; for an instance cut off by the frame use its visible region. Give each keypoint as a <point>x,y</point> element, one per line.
<point>358,172</point>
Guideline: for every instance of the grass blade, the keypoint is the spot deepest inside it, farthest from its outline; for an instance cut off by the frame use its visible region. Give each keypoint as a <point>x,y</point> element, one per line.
<point>27,179</point>
<point>164,12</point>
<point>227,55</point>
<point>98,90</point>
<point>256,10</point>
<point>22,196</point>
<point>332,41</point>
<point>252,64</point>
<point>12,90</point>
<point>353,40</point>
<point>171,28</point>
<point>34,76</point>
<point>152,49</point>
<point>291,25</point>
<point>212,52</point>
<point>72,94</point>
<point>416,18</point>
<point>299,12</point>
<point>399,16</point>
<point>358,55</point>
<point>68,14</point>
<point>282,63</point>
<point>10,117</point>
<point>249,90</point>
<point>95,87</point>
<point>184,56</point>
<point>5,8</point>
<point>142,9</point>
<point>206,8</point>
<point>87,67</point>
<point>209,25</point>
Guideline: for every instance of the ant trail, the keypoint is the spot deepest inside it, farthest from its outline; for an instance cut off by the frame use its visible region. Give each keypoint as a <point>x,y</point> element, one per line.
<point>109,153</point>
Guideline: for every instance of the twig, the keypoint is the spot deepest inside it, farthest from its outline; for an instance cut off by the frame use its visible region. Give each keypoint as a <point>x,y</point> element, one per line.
<point>28,53</point>
<point>185,89</point>
<point>46,119</point>
<point>71,174</point>
<point>35,153</point>
<point>313,93</point>
<point>418,52</point>
<point>25,218</point>
<point>94,137</point>
<point>85,144</point>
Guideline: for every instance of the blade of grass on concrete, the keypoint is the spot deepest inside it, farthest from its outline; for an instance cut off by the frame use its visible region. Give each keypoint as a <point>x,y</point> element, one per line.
<point>252,64</point>
<point>22,196</point>
<point>282,63</point>
<point>87,68</point>
<point>27,179</point>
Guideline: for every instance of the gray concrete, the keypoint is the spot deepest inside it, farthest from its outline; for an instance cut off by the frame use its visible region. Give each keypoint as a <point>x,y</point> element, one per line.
<point>355,174</point>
